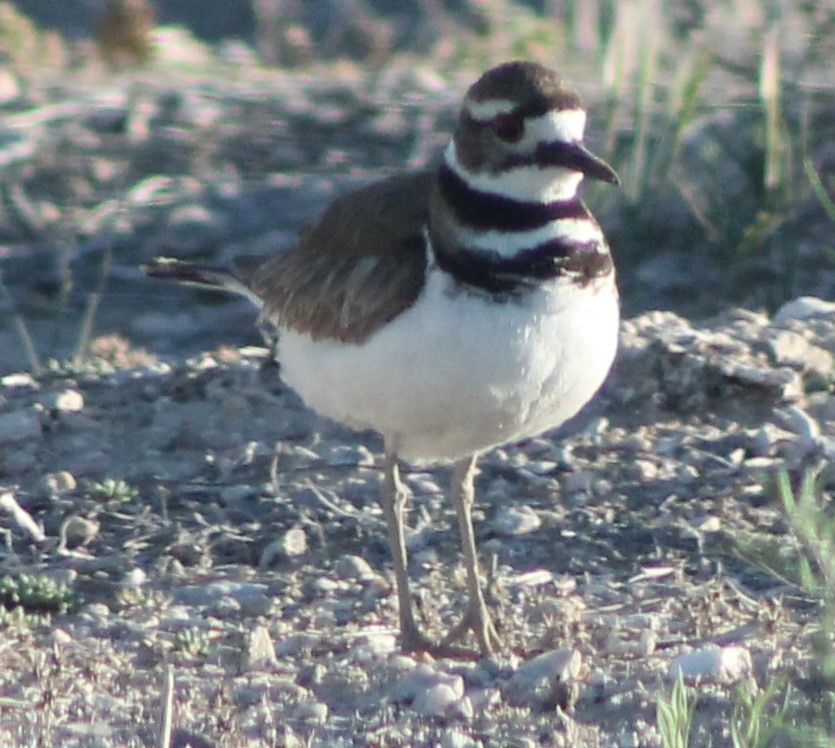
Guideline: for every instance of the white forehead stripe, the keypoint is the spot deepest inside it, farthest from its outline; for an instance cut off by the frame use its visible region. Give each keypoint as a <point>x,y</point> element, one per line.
<point>484,111</point>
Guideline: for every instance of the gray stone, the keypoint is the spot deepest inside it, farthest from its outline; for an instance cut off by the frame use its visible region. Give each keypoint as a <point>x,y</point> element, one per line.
<point>20,426</point>
<point>354,568</point>
<point>803,308</point>
<point>259,651</point>
<point>55,484</point>
<point>712,663</point>
<point>515,519</point>
<point>535,681</point>
<point>78,531</point>
<point>439,699</point>
<point>291,544</point>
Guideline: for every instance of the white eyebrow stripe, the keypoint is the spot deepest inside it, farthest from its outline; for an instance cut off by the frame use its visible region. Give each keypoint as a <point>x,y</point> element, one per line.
<point>566,125</point>
<point>484,111</point>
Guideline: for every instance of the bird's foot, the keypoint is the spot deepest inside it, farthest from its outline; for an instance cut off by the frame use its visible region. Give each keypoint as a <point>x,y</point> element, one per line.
<point>412,639</point>
<point>476,619</point>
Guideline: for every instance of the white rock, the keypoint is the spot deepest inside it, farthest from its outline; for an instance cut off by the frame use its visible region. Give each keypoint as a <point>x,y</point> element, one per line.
<point>789,348</point>
<point>259,653</point>
<point>535,681</point>
<point>515,520</point>
<point>712,663</point>
<point>354,568</point>
<point>24,520</point>
<point>375,646</point>
<point>61,637</point>
<point>57,483</point>
<point>415,683</point>
<point>313,711</point>
<point>19,379</point>
<point>77,531</point>
<point>136,577</point>
<point>799,422</point>
<point>438,700</point>
<point>290,545</point>
<point>708,523</point>
<point>804,308</point>
<point>67,401</point>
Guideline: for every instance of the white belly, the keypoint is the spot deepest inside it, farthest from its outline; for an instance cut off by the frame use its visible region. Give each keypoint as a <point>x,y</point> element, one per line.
<point>457,373</point>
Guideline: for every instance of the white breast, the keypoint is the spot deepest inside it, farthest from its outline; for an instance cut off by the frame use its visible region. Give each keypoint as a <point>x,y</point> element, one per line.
<point>458,373</point>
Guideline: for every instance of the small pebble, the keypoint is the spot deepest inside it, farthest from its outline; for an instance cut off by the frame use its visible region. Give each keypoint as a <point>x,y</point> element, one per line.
<point>291,544</point>
<point>437,700</point>
<point>374,646</point>
<point>67,401</point>
<point>259,652</point>
<point>354,568</point>
<point>717,664</point>
<point>78,531</point>
<point>57,483</point>
<point>534,682</point>
<point>314,712</point>
<point>514,520</point>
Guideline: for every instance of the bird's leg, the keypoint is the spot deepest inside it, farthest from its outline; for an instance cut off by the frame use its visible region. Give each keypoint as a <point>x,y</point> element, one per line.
<point>476,617</point>
<point>394,500</point>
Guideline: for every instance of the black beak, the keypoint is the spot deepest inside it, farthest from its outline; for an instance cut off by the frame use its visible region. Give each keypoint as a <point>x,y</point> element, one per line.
<point>577,157</point>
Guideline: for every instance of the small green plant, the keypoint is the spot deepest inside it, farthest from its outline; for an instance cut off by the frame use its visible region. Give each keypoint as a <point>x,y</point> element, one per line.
<point>111,489</point>
<point>819,188</point>
<point>674,713</point>
<point>814,530</point>
<point>756,719</point>
<point>812,525</point>
<point>192,641</point>
<point>36,594</point>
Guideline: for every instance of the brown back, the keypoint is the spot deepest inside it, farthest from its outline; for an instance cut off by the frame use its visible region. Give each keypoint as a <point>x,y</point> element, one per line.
<point>357,268</point>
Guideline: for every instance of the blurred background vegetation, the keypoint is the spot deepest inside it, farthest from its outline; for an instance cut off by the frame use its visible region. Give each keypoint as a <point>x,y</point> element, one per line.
<point>718,114</point>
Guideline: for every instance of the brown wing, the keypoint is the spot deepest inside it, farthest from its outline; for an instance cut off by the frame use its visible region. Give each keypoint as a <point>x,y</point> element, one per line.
<point>357,268</point>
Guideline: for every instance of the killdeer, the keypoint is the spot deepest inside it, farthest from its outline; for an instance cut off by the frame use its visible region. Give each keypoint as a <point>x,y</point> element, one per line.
<point>452,310</point>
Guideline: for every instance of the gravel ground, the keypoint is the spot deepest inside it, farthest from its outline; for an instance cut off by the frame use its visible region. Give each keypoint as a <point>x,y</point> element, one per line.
<point>245,551</point>
<point>198,524</point>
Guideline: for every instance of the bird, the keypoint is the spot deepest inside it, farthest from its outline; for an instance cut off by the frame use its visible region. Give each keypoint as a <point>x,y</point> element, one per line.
<point>452,309</point>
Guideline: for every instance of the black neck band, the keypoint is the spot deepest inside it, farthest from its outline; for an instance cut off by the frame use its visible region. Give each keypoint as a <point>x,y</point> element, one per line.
<point>510,276</point>
<point>485,211</point>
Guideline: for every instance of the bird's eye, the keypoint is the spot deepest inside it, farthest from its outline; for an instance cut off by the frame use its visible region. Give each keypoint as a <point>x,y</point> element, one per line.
<point>509,127</point>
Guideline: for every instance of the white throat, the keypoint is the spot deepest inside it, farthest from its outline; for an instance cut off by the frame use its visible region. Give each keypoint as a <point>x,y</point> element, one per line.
<point>523,183</point>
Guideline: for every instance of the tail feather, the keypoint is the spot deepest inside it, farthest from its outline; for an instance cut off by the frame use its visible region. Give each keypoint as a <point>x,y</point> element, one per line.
<point>202,276</point>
